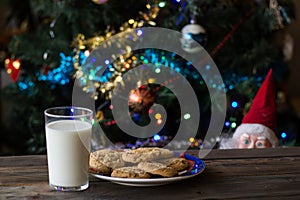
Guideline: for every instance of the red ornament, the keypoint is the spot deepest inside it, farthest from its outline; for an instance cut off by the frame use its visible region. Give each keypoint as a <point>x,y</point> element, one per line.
<point>141,99</point>
<point>13,68</point>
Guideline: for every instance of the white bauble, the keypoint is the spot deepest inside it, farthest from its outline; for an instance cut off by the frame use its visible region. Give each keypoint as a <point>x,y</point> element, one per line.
<point>193,37</point>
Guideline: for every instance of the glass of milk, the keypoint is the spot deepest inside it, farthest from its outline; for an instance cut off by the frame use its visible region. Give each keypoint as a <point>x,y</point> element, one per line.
<point>68,137</point>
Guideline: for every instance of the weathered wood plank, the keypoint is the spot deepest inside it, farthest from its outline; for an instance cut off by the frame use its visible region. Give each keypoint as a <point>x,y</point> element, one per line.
<point>28,160</point>
<point>204,187</point>
<point>23,175</point>
<point>254,166</point>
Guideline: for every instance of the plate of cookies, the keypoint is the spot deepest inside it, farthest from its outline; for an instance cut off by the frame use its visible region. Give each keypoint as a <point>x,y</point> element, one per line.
<point>145,166</point>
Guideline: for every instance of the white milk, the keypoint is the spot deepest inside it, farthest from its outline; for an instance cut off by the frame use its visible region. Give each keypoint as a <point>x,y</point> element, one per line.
<point>68,146</point>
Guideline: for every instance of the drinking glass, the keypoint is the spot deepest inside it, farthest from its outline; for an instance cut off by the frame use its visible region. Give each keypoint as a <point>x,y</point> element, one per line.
<point>68,136</point>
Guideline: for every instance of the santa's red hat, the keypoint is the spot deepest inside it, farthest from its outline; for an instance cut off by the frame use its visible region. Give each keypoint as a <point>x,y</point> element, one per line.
<point>261,118</point>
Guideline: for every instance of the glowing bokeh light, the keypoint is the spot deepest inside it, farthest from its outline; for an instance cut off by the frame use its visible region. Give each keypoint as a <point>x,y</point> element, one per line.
<point>233,125</point>
<point>283,135</point>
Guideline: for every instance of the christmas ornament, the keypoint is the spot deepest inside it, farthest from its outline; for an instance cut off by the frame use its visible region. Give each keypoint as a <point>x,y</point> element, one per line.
<point>141,99</point>
<point>99,2</point>
<point>13,68</point>
<point>191,35</point>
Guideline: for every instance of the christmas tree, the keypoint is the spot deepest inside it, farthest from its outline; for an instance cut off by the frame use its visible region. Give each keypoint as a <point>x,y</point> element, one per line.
<point>244,38</point>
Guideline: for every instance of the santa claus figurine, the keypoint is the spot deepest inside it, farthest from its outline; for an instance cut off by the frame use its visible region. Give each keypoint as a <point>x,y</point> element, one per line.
<point>258,126</point>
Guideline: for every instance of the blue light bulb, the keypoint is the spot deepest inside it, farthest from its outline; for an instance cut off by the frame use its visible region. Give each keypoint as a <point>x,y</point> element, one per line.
<point>234,104</point>
<point>156,137</point>
<point>227,124</point>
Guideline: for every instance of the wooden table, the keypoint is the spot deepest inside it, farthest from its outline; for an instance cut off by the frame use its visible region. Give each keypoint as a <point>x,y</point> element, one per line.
<point>229,174</point>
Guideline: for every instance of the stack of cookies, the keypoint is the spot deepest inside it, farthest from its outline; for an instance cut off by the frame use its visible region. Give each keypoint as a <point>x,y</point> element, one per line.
<point>137,163</point>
